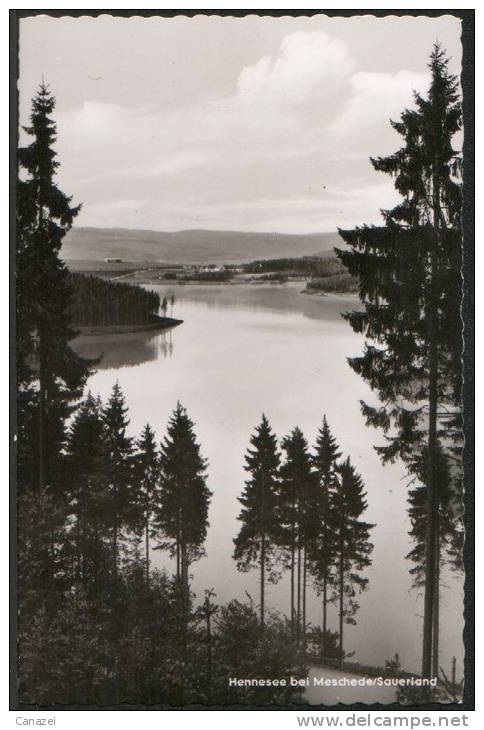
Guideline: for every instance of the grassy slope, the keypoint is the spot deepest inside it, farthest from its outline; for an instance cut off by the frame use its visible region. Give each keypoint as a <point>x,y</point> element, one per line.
<point>95,244</point>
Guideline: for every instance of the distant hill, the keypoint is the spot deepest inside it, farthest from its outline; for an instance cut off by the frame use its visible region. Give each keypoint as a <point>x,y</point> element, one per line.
<point>197,246</point>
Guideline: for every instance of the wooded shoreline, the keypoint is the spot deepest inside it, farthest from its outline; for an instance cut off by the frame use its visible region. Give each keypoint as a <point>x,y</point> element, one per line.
<point>161,323</point>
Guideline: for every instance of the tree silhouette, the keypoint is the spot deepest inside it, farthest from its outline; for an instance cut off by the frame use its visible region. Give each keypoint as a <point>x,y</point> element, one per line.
<point>295,515</point>
<point>182,517</point>
<point>409,274</point>
<point>322,549</point>
<point>87,478</point>
<point>353,547</point>
<point>447,536</point>
<point>147,479</point>
<point>44,216</point>
<point>255,544</point>
<point>121,499</point>
<point>50,377</point>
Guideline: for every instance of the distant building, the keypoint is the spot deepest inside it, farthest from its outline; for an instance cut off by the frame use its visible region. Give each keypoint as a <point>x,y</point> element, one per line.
<point>207,268</point>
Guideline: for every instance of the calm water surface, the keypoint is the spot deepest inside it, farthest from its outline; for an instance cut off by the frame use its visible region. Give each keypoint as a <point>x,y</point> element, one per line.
<point>244,350</point>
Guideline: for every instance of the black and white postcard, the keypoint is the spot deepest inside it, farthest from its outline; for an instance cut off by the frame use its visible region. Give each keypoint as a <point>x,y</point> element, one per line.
<point>239,360</point>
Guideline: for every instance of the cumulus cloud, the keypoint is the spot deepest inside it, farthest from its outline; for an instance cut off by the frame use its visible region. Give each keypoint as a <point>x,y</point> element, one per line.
<point>287,149</point>
<point>377,97</point>
<point>308,63</point>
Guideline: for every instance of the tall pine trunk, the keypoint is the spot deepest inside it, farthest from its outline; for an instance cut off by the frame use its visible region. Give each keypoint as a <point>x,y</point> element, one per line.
<point>304,601</point>
<point>298,615</point>
<point>185,611</point>
<point>341,605</point>
<point>96,557</point>
<point>42,413</point>
<point>115,551</point>
<point>147,541</point>
<point>184,569</point>
<point>115,608</point>
<point>431,536</point>
<point>431,508</point>
<point>209,652</point>
<point>77,573</point>
<point>262,554</point>
<point>262,577</point>
<point>436,627</point>
<point>178,552</point>
<point>293,559</point>
<point>325,603</point>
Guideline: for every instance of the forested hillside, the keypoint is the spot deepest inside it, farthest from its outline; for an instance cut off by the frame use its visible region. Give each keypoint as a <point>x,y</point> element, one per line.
<point>325,273</point>
<point>102,303</point>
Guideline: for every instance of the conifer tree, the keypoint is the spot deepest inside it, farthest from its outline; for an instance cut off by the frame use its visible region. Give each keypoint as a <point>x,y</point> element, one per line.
<point>409,274</point>
<point>147,478</point>
<point>182,521</point>
<point>256,542</point>
<point>44,216</point>
<point>49,377</point>
<point>295,516</point>
<point>353,547</point>
<point>182,516</point>
<point>121,498</point>
<point>447,536</point>
<point>86,472</point>
<point>322,549</point>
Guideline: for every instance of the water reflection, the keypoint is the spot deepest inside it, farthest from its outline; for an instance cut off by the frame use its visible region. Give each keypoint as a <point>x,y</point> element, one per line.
<point>129,349</point>
<point>277,298</point>
<point>165,344</point>
<point>135,348</point>
<point>244,350</point>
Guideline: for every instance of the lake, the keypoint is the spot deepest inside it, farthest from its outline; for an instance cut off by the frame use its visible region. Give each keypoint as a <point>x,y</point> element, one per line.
<point>244,350</point>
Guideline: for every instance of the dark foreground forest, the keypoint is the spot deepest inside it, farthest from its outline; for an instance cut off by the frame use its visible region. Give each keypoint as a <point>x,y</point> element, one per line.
<point>97,622</point>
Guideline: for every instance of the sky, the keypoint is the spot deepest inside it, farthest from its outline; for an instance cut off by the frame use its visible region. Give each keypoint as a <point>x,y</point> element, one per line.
<point>250,124</point>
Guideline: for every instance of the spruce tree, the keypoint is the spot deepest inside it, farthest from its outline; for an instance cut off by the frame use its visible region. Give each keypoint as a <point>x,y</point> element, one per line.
<point>49,378</point>
<point>447,535</point>
<point>147,479</point>
<point>50,374</point>
<point>121,497</point>
<point>182,522</point>
<point>182,517</point>
<point>410,284</point>
<point>87,480</point>
<point>322,549</point>
<point>352,545</point>
<point>255,545</point>
<point>295,516</point>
